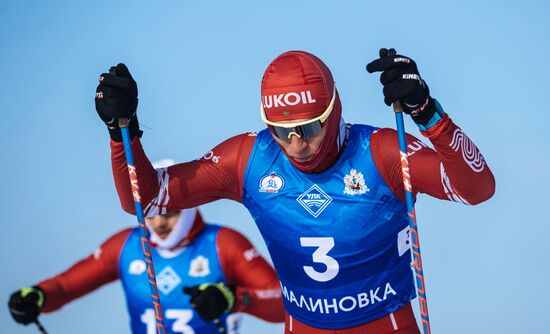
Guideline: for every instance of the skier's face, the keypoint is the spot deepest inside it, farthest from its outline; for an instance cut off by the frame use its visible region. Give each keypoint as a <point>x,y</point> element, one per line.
<point>163,224</point>
<point>302,150</point>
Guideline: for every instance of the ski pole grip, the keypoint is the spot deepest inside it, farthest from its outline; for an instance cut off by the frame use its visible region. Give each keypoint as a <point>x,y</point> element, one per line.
<point>123,122</point>
<point>397,106</point>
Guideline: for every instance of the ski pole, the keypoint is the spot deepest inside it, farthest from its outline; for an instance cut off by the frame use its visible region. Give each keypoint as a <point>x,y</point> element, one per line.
<point>413,233</point>
<point>40,327</point>
<point>145,242</point>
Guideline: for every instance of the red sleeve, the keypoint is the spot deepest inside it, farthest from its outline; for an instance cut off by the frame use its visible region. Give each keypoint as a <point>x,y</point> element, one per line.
<point>218,174</point>
<point>86,275</point>
<point>454,171</point>
<point>257,289</point>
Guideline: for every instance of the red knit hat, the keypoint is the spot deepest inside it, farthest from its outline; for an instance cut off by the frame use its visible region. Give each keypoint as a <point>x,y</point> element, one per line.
<point>296,85</point>
<point>299,86</point>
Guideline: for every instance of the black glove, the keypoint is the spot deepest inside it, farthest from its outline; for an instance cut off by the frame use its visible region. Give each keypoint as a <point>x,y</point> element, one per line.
<point>402,82</point>
<point>117,97</point>
<point>25,305</point>
<point>210,300</point>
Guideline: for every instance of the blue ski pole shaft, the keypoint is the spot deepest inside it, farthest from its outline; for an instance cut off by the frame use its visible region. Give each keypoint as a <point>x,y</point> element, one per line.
<point>145,242</point>
<point>413,234</point>
<point>40,327</point>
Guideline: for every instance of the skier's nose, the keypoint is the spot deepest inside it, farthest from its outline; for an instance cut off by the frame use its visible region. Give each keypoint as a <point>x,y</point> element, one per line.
<point>161,221</point>
<point>297,145</point>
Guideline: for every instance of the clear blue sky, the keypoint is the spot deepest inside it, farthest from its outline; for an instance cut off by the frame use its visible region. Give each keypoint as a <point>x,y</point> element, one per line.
<point>198,66</point>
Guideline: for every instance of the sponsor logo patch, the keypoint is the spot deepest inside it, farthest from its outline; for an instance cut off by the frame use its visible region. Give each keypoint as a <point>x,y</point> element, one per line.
<point>403,241</point>
<point>97,253</point>
<point>271,183</point>
<point>314,200</point>
<point>288,99</point>
<point>199,267</point>
<point>401,60</point>
<point>167,280</point>
<point>211,156</point>
<point>354,183</point>
<point>414,147</point>
<point>137,267</point>
<point>251,254</point>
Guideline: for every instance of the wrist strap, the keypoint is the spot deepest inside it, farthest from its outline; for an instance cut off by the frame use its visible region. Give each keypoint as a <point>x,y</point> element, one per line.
<point>437,116</point>
<point>422,107</point>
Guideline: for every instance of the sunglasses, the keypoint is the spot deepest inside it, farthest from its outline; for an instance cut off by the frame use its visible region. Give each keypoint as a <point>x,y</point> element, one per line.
<point>303,129</point>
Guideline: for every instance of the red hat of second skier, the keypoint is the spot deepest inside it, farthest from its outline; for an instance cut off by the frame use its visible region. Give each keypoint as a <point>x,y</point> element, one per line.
<point>298,91</point>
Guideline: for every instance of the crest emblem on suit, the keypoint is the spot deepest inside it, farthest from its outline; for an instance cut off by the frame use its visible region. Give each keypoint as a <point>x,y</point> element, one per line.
<point>354,183</point>
<point>199,267</point>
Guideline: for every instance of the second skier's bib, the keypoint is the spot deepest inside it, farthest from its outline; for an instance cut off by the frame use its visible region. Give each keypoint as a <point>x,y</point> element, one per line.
<point>197,264</point>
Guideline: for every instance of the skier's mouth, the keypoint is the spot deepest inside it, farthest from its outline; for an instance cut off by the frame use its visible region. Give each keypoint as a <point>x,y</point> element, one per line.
<point>306,159</point>
<point>163,233</point>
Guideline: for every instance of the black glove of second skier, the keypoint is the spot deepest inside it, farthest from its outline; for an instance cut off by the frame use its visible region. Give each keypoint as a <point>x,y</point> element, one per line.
<point>210,300</point>
<point>117,97</point>
<point>25,305</point>
<point>402,82</point>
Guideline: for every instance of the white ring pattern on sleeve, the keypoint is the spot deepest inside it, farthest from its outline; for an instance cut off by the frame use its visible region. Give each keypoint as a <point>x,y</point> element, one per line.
<point>470,153</point>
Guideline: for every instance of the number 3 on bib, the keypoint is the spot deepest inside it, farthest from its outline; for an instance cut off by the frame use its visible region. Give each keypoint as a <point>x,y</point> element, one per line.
<point>324,245</point>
